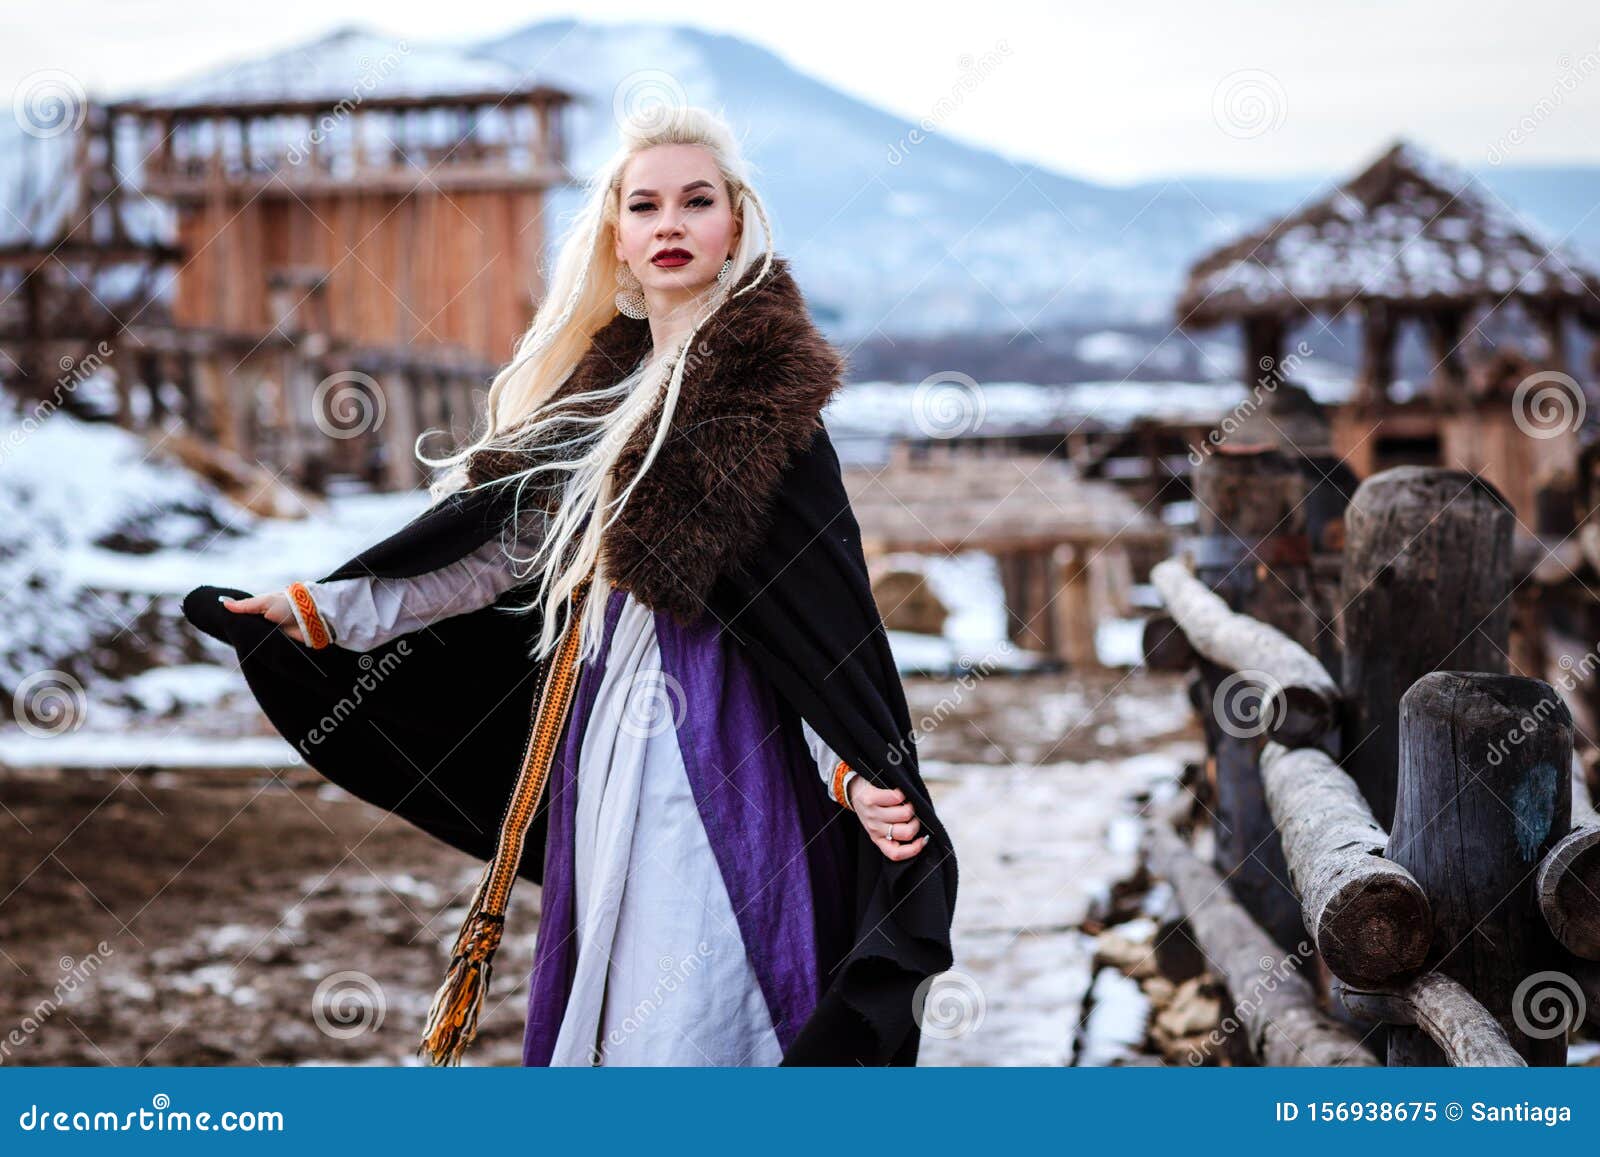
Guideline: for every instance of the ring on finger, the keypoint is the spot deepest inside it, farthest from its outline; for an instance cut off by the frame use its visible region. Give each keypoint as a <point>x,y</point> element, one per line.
<point>891,830</point>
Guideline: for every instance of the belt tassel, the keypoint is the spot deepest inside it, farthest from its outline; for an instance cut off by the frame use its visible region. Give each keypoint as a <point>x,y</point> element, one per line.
<point>453,1017</point>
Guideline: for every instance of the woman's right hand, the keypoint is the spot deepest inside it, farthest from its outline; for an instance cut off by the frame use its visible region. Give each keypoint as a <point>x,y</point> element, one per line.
<point>888,818</point>
<point>275,607</point>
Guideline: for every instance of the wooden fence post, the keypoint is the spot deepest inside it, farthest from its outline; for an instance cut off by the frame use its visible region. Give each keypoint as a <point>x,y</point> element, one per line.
<point>1251,520</point>
<point>1427,575</point>
<point>1485,792</point>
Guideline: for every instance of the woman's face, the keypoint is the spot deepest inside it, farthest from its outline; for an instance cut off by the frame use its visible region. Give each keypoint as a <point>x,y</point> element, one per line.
<point>674,203</point>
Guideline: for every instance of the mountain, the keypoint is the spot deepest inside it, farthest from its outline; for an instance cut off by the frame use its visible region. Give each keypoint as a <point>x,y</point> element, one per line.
<point>893,236</point>
<point>941,236</point>
<point>889,238</point>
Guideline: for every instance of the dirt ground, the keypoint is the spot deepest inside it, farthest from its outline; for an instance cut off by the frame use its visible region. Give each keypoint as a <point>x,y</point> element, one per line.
<point>204,917</point>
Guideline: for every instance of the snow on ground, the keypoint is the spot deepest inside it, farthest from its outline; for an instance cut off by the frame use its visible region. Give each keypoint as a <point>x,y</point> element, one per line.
<point>890,409</point>
<point>1122,351</point>
<point>1042,781</point>
<point>100,537</point>
<point>97,749</point>
<point>1115,1026</point>
<point>65,487</point>
<point>1039,846</point>
<point>974,636</point>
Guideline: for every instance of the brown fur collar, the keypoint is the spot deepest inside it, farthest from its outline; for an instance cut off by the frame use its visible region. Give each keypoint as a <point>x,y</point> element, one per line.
<point>757,377</point>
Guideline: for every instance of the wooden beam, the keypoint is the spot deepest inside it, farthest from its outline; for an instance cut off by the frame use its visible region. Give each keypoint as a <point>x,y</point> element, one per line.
<point>1263,347</point>
<point>1164,645</point>
<point>1073,609</point>
<point>1465,1033</point>
<point>1568,883</point>
<point>1376,372</point>
<point>1443,326</point>
<point>1298,696</point>
<point>1369,916</point>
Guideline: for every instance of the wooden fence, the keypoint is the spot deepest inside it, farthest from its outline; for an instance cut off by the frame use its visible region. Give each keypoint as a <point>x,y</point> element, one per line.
<point>1405,859</point>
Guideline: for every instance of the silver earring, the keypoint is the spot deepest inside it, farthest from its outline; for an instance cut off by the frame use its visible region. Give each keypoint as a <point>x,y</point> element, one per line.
<point>725,272</point>
<point>630,299</point>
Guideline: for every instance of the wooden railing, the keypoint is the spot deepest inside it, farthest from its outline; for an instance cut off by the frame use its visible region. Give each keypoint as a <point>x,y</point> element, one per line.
<point>1414,820</point>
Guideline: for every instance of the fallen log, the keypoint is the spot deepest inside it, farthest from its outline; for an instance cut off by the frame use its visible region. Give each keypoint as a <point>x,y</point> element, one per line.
<point>1273,1001</point>
<point>1369,916</point>
<point>1298,699</point>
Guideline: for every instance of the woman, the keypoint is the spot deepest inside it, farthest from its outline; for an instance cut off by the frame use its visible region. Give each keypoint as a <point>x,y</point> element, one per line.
<point>712,723</point>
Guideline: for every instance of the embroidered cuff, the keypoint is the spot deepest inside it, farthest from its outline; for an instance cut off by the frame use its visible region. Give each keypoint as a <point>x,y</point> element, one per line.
<point>316,632</point>
<point>842,775</point>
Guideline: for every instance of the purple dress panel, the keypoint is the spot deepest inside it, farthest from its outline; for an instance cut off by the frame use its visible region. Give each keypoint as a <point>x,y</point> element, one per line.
<point>779,841</point>
<point>739,770</point>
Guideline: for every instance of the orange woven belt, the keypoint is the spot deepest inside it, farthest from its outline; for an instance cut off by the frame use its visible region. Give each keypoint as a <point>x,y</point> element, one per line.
<point>453,1017</point>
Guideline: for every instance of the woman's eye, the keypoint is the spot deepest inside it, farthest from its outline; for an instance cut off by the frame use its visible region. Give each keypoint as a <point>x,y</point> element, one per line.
<point>643,206</point>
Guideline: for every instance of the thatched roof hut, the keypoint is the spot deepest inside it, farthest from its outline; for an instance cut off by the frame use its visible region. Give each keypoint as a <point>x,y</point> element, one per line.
<point>1411,240</point>
<point>1409,237</point>
<point>1408,230</point>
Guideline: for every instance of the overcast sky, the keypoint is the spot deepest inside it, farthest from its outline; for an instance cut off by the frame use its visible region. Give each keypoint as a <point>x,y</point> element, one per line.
<point>1114,92</point>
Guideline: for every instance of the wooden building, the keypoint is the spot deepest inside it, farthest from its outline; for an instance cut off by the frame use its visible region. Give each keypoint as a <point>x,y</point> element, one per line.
<point>1412,242</point>
<point>1065,546</point>
<point>300,286</point>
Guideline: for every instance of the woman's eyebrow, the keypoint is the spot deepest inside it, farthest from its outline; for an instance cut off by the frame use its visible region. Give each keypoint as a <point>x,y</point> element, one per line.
<point>685,189</point>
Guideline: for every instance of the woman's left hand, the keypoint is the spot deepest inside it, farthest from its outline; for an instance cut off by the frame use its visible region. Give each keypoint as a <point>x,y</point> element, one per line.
<point>888,818</point>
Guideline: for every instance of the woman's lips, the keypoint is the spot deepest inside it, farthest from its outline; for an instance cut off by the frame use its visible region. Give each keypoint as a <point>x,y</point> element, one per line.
<point>671,259</point>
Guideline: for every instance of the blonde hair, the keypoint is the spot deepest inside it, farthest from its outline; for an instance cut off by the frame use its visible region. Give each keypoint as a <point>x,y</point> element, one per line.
<point>577,446</point>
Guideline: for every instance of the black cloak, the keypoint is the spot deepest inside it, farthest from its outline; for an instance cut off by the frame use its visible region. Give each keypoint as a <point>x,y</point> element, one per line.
<point>431,726</point>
